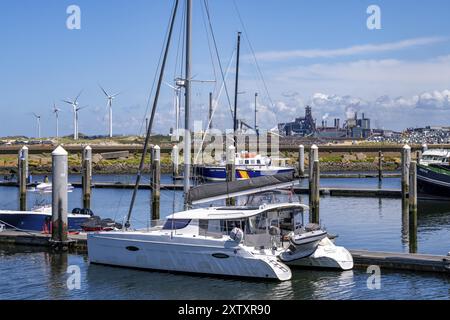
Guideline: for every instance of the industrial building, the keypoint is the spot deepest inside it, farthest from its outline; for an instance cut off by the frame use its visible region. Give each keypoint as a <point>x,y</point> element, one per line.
<point>304,127</point>
<point>353,128</point>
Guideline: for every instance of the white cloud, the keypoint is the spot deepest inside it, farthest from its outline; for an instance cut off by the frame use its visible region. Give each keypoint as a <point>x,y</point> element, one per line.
<point>349,51</point>
<point>367,78</point>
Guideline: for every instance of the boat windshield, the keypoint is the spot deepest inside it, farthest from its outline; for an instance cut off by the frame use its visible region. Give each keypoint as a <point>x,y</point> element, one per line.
<point>175,224</point>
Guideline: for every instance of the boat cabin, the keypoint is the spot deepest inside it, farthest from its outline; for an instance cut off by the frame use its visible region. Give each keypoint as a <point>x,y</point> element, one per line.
<point>259,226</point>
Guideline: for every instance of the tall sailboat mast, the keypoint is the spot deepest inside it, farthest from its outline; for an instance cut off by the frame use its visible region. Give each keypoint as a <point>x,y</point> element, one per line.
<point>187,107</point>
<point>236,88</point>
<point>152,117</point>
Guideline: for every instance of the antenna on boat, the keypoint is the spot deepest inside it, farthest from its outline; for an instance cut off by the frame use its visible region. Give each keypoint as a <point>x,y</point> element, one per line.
<point>155,103</point>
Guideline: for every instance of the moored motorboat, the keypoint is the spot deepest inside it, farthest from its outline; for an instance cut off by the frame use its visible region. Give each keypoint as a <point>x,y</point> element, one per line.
<point>433,182</point>
<point>38,220</point>
<point>248,165</point>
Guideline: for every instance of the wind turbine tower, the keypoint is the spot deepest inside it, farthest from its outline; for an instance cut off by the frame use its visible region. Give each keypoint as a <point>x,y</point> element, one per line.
<point>56,112</point>
<point>75,108</point>
<point>109,99</point>
<point>38,118</point>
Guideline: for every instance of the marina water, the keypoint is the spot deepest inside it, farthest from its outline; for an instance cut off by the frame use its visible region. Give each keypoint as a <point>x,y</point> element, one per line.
<point>361,223</point>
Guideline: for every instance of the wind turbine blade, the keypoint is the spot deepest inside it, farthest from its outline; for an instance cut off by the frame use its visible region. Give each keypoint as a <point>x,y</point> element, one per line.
<point>76,99</point>
<point>117,94</point>
<point>67,101</point>
<point>104,91</point>
<point>169,85</point>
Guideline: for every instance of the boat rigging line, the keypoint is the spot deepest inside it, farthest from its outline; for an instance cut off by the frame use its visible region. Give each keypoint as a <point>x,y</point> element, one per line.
<point>155,104</point>
<point>205,2</point>
<point>253,54</point>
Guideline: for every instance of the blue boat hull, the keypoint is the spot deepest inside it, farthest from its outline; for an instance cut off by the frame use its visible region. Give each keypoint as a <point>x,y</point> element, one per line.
<point>38,221</point>
<point>220,174</point>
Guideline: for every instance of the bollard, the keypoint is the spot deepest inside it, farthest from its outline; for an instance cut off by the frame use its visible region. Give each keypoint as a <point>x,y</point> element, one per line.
<point>406,161</point>
<point>175,161</point>
<point>86,178</point>
<point>315,193</point>
<point>156,182</point>
<point>23,177</point>
<point>231,170</point>
<point>380,166</point>
<point>59,197</point>
<point>301,161</point>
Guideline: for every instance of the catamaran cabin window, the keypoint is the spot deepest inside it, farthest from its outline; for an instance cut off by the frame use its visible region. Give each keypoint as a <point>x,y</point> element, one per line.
<point>175,224</point>
<point>258,161</point>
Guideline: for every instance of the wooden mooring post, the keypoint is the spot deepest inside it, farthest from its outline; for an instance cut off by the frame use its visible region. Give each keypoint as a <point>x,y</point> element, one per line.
<point>412,200</point>
<point>313,156</point>
<point>86,178</point>
<point>22,177</point>
<point>380,166</point>
<point>301,161</point>
<point>315,193</point>
<point>406,162</point>
<point>231,170</point>
<point>156,182</point>
<point>59,198</point>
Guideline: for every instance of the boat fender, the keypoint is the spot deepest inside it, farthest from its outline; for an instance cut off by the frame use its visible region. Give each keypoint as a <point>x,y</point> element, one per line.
<point>237,235</point>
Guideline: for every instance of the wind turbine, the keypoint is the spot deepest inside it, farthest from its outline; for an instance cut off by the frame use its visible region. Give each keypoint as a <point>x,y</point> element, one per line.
<point>74,105</point>
<point>176,104</point>
<point>56,112</point>
<point>109,99</point>
<point>38,118</point>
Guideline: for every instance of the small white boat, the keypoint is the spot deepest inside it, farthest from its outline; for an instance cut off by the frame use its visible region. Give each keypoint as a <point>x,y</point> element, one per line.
<point>227,241</point>
<point>46,187</point>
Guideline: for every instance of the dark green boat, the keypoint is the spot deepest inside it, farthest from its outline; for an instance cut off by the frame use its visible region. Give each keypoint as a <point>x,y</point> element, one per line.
<point>433,181</point>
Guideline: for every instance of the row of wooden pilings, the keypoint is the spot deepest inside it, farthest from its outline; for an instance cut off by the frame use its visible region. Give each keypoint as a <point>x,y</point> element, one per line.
<point>408,180</point>
<point>60,179</point>
<point>59,220</point>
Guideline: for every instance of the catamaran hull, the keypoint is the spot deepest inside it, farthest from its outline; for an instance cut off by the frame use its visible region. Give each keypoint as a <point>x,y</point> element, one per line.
<point>327,255</point>
<point>219,173</point>
<point>37,221</point>
<point>108,249</point>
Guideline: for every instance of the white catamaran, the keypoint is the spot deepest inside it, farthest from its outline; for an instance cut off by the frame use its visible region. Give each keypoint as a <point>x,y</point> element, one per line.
<point>254,242</point>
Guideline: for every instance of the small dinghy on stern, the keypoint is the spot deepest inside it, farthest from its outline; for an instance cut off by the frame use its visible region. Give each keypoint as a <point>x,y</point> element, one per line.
<point>303,244</point>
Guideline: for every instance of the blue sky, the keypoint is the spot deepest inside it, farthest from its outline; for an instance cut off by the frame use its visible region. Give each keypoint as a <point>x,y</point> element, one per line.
<point>310,52</point>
